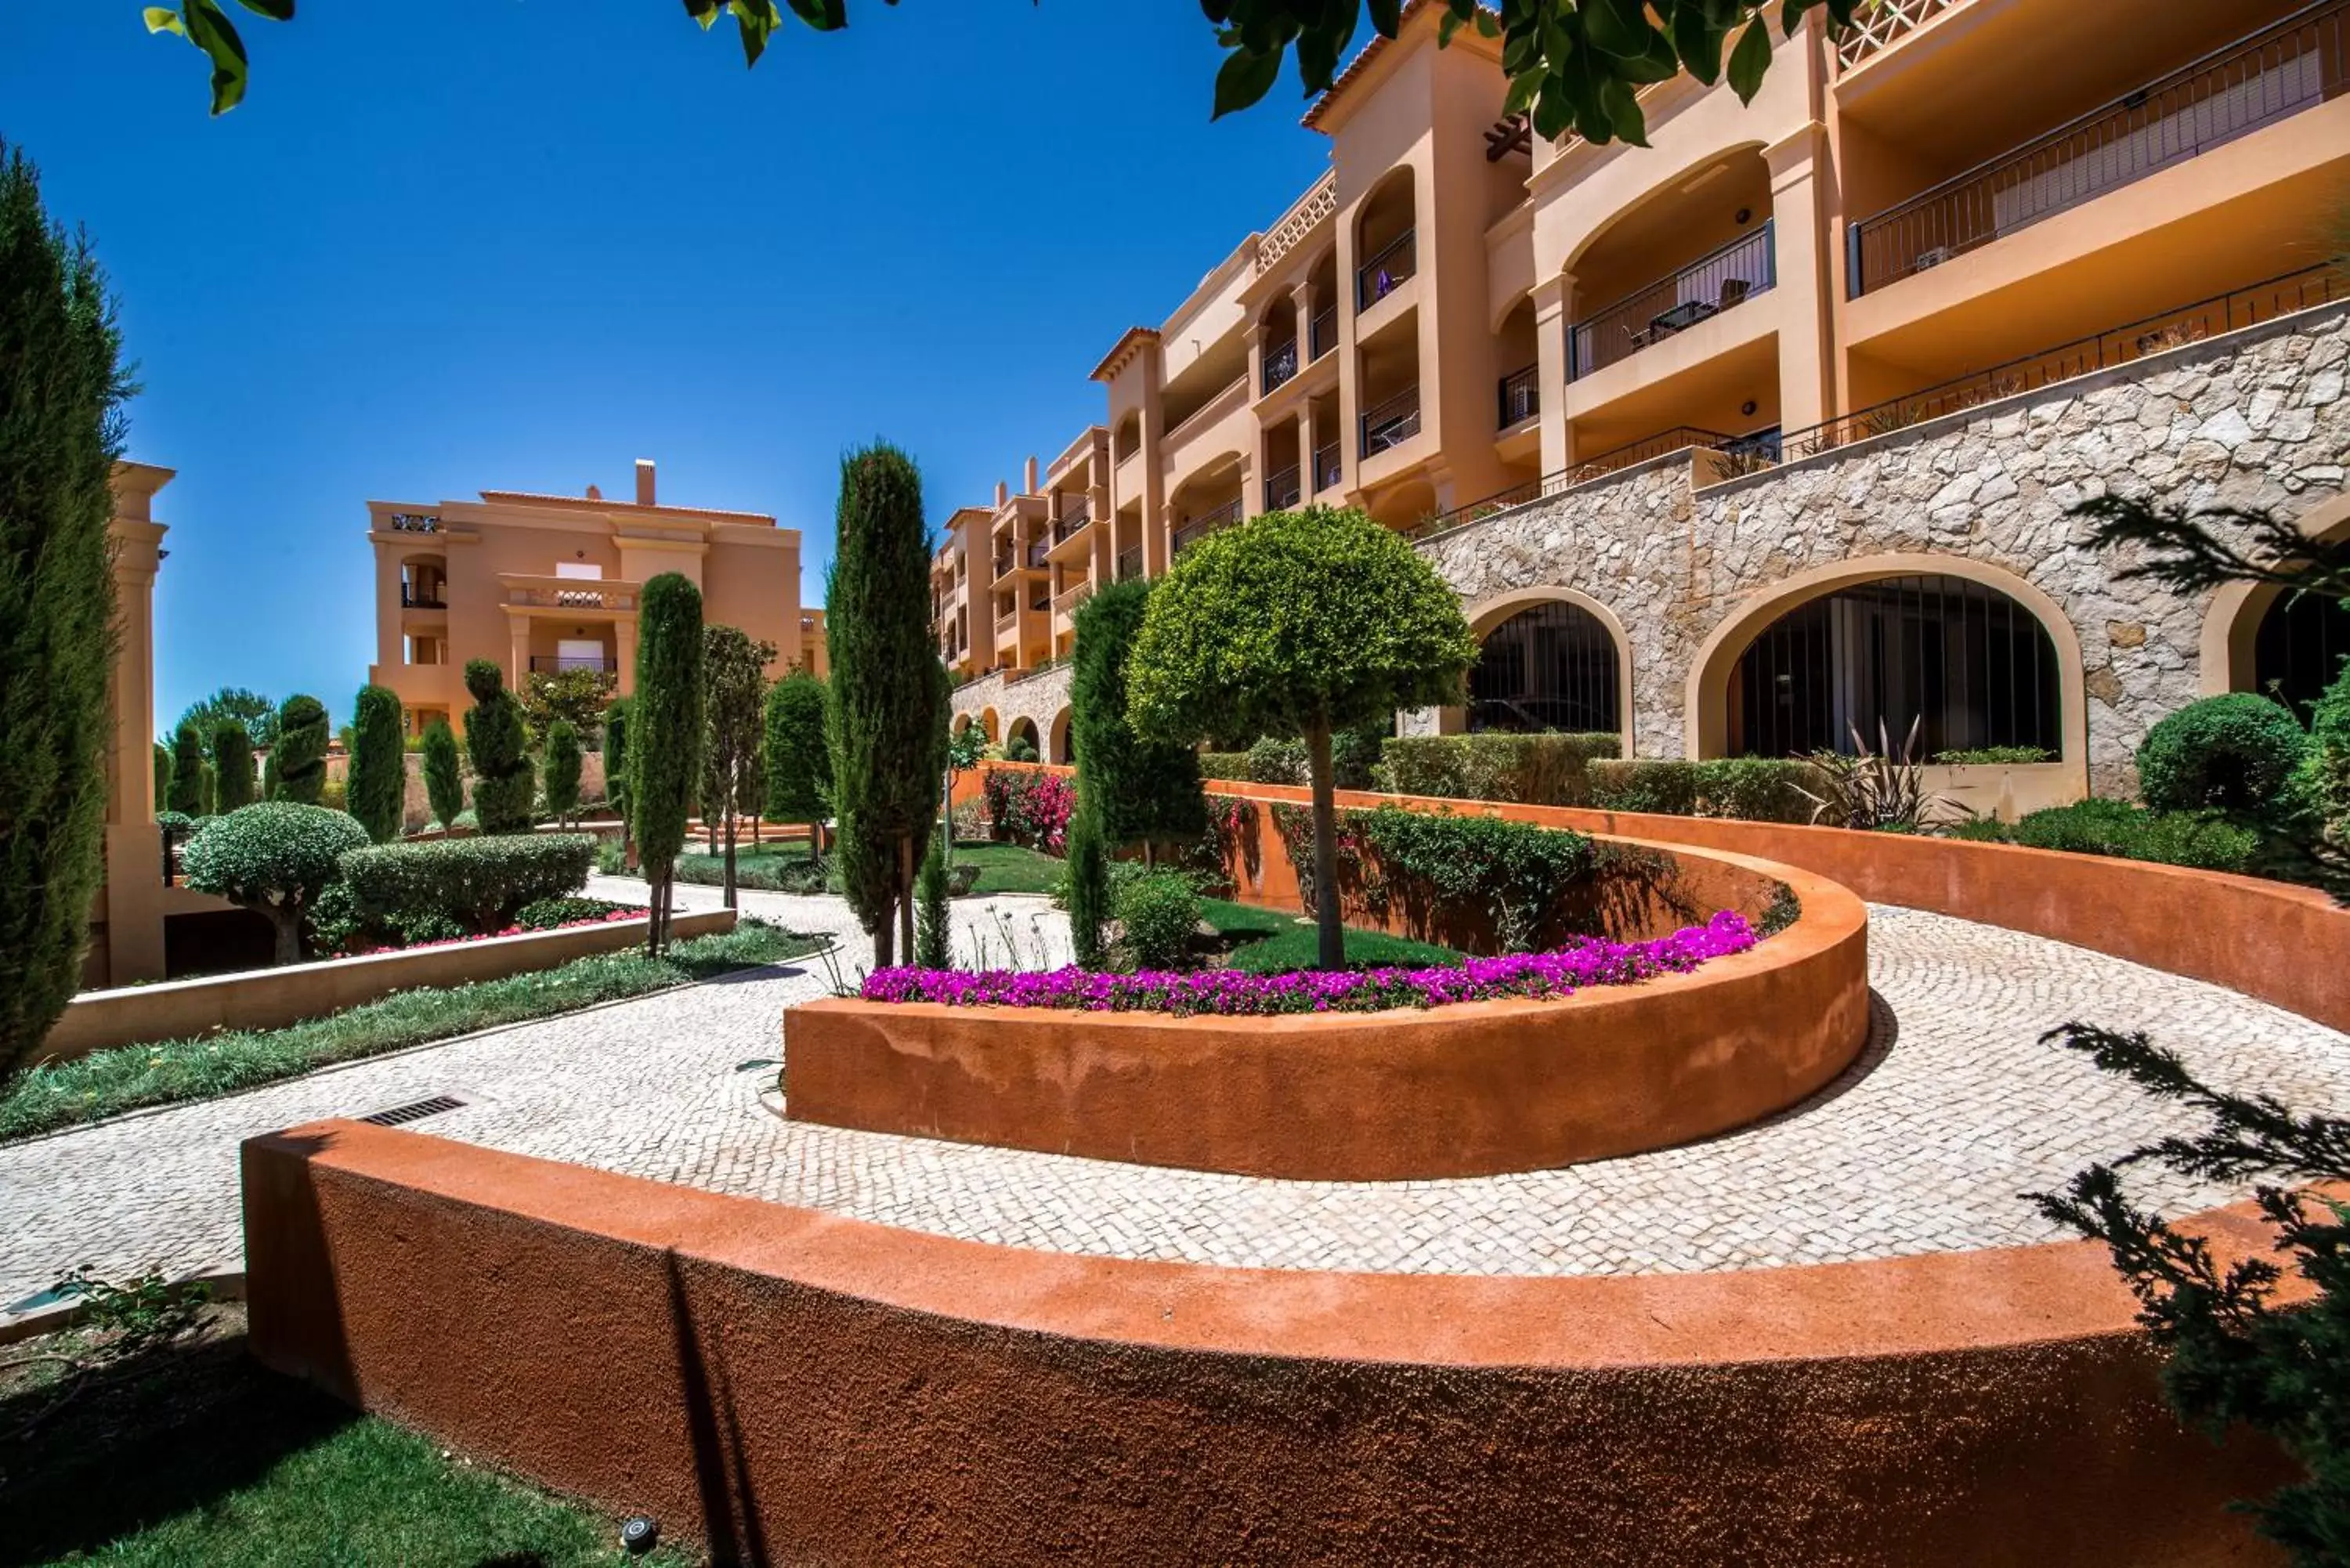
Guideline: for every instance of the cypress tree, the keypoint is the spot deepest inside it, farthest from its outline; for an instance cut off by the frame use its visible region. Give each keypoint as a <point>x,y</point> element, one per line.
<point>377,792</point>
<point>665,735</point>
<point>211,777</point>
<point>616,763</point>
<point>187,796</point>
<point>162,776</point>
<point>887,722</point>
<point>298,760</point>
<point>494,744</point>
<point>562,766</point>
<point>1146,792</point>
<point>796,758</point>
<point>61,390</point>
<point>444,779</point>
<point>231,767</point>
<point>933,943</point>
<point>1088,887</point>
<point>734,682</point>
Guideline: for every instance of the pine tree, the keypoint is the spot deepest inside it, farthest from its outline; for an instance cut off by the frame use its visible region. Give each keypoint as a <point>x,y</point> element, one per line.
<point>796,759</point>
<point>562,771</point>
<point>297,762</point>
<point>377,789</point>
<point>734,681</point>
<point>187,796</point>
<point>889,708</point>
<point>61,390</point>
<point>444,779</point>
<point>495,745</point>
<point>1146,792</point>
<point>231,767</point>
<point>665,735</point>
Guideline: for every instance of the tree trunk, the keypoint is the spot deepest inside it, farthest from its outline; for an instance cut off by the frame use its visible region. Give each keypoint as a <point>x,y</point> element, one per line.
<point>288,926</point>
<point>885,937</point>
<point>652,912</point>
<point>728,884</point>
<point>1330,935</point>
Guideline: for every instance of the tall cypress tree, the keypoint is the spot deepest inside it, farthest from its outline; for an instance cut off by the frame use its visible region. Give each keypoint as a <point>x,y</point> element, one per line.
<point>231,767</point>
<point>495,743</point>
<point>665,735</point>
<point>444,777</point>
<point>162,776</point>
<point>1146,792</point>
<point>61,392</point>
<point>298,760</point>
<point>796,757</point>
<point>561,770</point>
<point>187,796</point>
<point>616,763</point>
<point>888,723</point>
<point>377,791</point>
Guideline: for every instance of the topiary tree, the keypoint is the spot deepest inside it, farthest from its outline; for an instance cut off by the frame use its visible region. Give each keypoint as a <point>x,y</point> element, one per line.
<point>495,744</point>
<point>187,796</point>
<point>888,717</point>
<point>297,762</point>
<point>276,857</point>
<point>61,390</point>
<point>616,763</point>
<point>562,771</point>
<point>795,759</point>
<point>665,736</point>
<point>1146,792</point>
<point>444,781</point>
<point>1300,623</point>
<point>734,686</point>
<point>233,777</point>
<point>2236,752</point>
<point>377,789</point>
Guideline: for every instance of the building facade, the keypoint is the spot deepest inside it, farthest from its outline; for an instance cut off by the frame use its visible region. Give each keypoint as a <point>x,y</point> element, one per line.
<point>2024,249</point>
<point>548,584</point>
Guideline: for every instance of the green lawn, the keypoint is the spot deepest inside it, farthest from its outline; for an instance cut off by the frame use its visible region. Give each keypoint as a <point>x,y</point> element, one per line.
<point>1003,867</point>
<point>1281,944</point>
<point>107,1083</point>
<point>189,1454</point>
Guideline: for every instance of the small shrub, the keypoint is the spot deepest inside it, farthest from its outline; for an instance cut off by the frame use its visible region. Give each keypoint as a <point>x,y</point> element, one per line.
<point>1278,760</point>
<point>2130,832</point>
<point>2236,752</point>
<point>933,931</point>
<point>1994,756</point>
<point>1660,786</point>
<point>2324,779</point>
<point>482,883</point>
<point>611,858</point>
<point>1449,875</point>
<point>1019,749</point>
<point>1158,914</point>
<point>1030,808</point>
<point>1980,830</point>
<point>547,914</point>
<point>1535,769</point>
<point>1356,755</point>
<point>1224,766</point>
<point>276,857</point>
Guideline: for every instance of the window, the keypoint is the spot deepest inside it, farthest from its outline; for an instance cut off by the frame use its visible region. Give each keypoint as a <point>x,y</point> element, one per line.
<point>1550,667</point>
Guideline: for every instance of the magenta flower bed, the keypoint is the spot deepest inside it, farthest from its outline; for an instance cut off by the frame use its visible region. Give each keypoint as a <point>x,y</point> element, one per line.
<point>1234,992</point>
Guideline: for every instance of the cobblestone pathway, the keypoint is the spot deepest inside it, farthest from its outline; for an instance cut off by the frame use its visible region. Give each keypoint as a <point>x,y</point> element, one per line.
<point>1954,1111</point>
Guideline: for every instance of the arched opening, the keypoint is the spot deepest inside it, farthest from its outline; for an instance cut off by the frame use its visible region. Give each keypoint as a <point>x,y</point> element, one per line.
<point>1386,256</point>
<point>961,722</point>
<point>423,582</point>
<point>2263,638</point>
<point>1064,749</point>
<point>1207,501</point>
<point>1322,308</point>
<point>990,726</point>
<point>1968,664</point>
<point>1514,350</point>
<point>1278,347</point>
<point>1128,439</point>
<point>1025,730</point>
<point>1551,666</point>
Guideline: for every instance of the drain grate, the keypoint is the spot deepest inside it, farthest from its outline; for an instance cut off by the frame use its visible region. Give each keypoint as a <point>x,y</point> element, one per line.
<point>401,1116</point>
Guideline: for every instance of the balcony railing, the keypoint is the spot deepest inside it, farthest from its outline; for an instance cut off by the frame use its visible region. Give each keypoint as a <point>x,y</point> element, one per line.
<point>1066,601</point>
<point>1130,564</point>
<point>1066,525</point>
<point>564,663</point>
<point>1322,334</point>
<point>1280,490</point>
<point>1007,620</point>
<point>1329,467</point>
<point>1280,364</point>
<point>1680,438</point>
<point>1712,283</point>
<point>2232,91</point>
<point>570,593</point>
<point>1877,27</point>
<point>416,598</point>
<point>1386,271</point>
<point>1191,531</point>
<point>1521,396</point>
<point>415,523</point>
<point>1392,422</point>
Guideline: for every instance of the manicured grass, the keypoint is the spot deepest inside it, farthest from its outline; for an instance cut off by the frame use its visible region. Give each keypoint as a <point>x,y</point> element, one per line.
<point>190,1454</point>
<point>107,1083</point>
<point>1003,867</point>
<point>1281,944</point>
<point>1008,867</point>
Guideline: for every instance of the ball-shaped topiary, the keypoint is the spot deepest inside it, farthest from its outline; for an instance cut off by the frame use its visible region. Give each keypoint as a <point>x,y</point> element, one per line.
<point>2236,752</point>
<point>274,857</point>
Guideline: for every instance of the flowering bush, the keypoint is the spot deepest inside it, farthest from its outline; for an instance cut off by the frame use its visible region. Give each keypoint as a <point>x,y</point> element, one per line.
<point>1236,993</point>
<point>1029,808</point>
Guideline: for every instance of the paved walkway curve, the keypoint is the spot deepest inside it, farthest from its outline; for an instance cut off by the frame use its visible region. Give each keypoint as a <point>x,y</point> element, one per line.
<point>1955,1111</point>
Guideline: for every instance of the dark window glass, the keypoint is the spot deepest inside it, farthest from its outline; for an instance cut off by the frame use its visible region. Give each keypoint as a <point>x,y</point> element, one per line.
<point>2299,648</point>
<point>1553,667</point>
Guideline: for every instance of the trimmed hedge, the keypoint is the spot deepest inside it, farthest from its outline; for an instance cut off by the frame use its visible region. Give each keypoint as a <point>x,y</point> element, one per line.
<point>2236,752</point>
<point>481,883</point>
<point>1532,770</point>
<point>1454,880</point>
<point>1745,789</point>
<point>1224,766</point>
<point>2127,832</point>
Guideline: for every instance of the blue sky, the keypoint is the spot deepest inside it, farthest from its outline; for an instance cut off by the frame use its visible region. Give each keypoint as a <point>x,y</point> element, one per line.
<point>456,244</point>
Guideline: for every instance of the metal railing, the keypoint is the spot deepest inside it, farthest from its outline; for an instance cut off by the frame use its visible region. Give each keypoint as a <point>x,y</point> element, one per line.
<point>411,598</point>
<point>1192,530</point>
<point>1282,490</point>
<point>1386,271</point>
<point>1130,564</point>
<point>2229,92</point>
<point>1392,422</point>
<point>1329,467</point>
<point>1680,438</point>
<point>1070,523</point>
<point>1719,281</point>
<point>1041,666</point>
<point>1322,334</point>
<point>1521,396</point>
<point>581,593</point>
<point>564,663</point>
<point>1280,364</point>
<point>2303,290</point>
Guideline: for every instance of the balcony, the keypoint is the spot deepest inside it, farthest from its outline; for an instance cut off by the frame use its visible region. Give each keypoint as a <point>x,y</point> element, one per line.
<point>1006,621</point>
<point>565,663</point>
<point>1130,564</point>
<point>1279,365</point>
<point>1070,524</point>
<point>1390,423</point>
<point>1322,334</point>
<point>420,598</point>
<point>1329,467</point>
<point>1521,397</point>
<point>415,523</point>
<point>1386,272</point>
<point>1705,288</point>
<point>525,591</point>
<point>1282,490</point>
<point>1757,450</point>
<point>1195,529</point>
<point>1066,601</point>
<point>2230,92</point>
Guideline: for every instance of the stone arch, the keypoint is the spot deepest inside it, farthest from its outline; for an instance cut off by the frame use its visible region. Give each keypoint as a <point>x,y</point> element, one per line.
<point>2227,658</point>
<point>1706,696</point>
<point>1063,739</point>
<point>991,726</point>
<point>1489,614</point>
<point>962,722</point>
<point>1024,726</point>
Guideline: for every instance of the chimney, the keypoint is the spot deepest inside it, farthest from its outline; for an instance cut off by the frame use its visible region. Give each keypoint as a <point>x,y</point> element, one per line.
<point>644,482</point>
<point>1002,493</point>
<point>595,493</point>
<point>1028,479</point>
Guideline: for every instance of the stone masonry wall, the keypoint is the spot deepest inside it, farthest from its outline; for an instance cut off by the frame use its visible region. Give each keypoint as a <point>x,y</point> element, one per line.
<point>1040,698</point>
<point>2254,418</point>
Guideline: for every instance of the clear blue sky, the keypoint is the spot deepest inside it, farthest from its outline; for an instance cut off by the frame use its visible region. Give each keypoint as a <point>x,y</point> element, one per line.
<point>454,244</point>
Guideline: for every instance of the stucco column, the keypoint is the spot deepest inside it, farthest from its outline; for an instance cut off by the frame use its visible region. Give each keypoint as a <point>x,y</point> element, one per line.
<point>624,649</point>
<point>1799,222</point>
<point>1553,297</point>
<point>134,846</point>
<point>519,636</point>
<point>1305,438</point>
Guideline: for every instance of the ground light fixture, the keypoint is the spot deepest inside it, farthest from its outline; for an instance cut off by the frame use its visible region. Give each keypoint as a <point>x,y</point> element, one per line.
<point>640,1535</point>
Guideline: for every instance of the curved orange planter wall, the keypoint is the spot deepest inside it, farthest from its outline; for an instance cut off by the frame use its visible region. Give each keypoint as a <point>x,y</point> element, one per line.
<point>1473,1089</point>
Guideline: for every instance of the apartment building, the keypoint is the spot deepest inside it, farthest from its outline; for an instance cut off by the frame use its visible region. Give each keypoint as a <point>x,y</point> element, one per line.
<point>1580,375</point>
<point>545,584</point>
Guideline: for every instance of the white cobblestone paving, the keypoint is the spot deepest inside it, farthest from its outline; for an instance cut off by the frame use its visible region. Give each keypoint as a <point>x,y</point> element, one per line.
<point>1954,1111</point>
